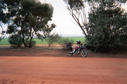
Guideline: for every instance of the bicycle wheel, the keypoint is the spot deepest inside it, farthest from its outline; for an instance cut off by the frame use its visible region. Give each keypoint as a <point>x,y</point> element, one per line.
<point>84,53</point>
<point>70,54</point>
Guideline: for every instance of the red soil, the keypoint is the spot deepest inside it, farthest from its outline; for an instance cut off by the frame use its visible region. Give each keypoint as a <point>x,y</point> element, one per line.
<point>40,66</point>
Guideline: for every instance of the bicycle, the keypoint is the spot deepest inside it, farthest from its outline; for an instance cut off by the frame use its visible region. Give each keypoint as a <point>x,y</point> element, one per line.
<point>81,50</point>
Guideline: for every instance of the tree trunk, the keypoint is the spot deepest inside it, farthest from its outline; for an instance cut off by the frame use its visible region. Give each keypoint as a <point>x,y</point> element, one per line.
<point>24,43</point>
<point>31,37</point>
<point>30,43</point>
<point>49,45</point>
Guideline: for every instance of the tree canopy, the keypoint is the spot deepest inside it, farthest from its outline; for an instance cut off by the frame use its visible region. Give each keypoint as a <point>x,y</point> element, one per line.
<point>26,18</point>
<point>105,25</point>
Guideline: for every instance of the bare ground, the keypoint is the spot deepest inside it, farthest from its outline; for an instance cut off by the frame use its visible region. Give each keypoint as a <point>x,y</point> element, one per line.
<point>51,66</point>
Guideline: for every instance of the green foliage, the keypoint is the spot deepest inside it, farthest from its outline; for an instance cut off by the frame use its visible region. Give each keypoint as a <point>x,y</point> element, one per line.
<point>32,43</point>
<point>64,41</point>
<point>49,37</point>
<point>52,39</point>
<point>8,5</point>
<point>26,18</point>
<point>77,9</point>
<point>11,29</point>
<point>37,8</point>
<point>108,28</point>
<point>75,39</point>
<point>48,29</point>
<point>39,41</point>
<point>4,42</point>
<point>0,38</point>
<point>15,40</point>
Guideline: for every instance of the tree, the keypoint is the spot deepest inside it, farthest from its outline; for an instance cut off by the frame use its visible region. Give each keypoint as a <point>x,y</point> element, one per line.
<point>29,19</point>
<point>77,9</point>
<point>108,27</point>
<point>8,9</point>
<point>90,24</point>
<point>49,36</point>
<point>52,39</point>
<point>15,41</point>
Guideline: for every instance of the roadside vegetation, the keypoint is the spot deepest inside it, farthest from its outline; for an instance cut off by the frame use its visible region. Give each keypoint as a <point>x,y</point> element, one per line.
<point>44,41</point>
<point>104,26</point>
<point>26,19</point>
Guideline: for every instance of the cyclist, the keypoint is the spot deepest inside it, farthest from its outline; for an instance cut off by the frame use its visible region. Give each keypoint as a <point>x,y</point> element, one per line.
<point>78,45</point>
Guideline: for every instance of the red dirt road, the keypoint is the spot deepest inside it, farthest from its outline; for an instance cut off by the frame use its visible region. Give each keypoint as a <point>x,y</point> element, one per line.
<point>61,70</point>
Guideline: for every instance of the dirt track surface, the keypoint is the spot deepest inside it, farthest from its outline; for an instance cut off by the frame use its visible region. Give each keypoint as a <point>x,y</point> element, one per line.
<point>54,67</point>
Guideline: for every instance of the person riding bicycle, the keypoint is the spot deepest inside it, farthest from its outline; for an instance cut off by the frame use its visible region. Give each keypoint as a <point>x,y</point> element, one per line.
<point>79,49</point>
<point>78,45</point>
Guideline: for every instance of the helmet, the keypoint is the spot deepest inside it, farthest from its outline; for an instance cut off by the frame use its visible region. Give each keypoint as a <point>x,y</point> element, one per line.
<point>78,42</point>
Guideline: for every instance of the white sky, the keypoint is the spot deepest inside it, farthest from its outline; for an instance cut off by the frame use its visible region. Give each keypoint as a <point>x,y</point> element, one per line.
<point>65,25</point>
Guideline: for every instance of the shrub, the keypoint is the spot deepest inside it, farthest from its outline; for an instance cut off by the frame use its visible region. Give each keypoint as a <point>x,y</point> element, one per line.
<point>15,40</point>
<point>52,39</point>
<point>33,43</point>
<point>64,42</point>
<point>108,28</point>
